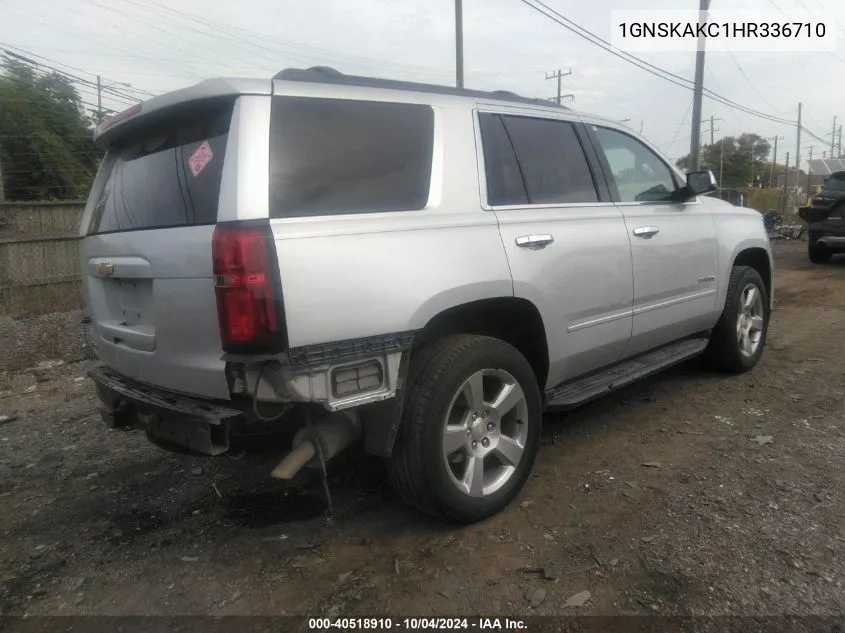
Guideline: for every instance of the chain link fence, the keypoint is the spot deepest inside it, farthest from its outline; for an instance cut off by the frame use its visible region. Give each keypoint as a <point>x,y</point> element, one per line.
<point>41,301</point>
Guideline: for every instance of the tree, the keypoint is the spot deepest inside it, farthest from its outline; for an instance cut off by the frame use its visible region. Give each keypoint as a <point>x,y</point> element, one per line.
<point>46,143</point>
<point>743,156</point>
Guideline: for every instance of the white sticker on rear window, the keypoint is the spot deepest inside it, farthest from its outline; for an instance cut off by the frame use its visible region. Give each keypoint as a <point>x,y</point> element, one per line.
<point>200,158</point>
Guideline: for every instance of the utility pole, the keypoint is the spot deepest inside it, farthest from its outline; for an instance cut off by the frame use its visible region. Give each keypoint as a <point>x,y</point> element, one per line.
<point>459,44</point>
<point>698,92</point>
<point>839,143</point>
<point>100,88</point>
<point>774,160</point>
<point>786,175</point>
<point>798,146</point>
<point>753,147</point>
<point>833,138</point>
<point>713,129</point>
<point>809,169</point>
<point>2,193</point>
<point>712,120</point>
<point>559,75</point>
<point>785,184</point>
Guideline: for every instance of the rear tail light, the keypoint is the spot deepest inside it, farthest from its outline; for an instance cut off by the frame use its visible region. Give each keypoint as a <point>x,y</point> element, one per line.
<point>248,297</point>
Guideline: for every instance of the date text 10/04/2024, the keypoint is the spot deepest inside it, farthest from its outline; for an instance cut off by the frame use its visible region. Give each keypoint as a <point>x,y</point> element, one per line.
<point>416,624</point>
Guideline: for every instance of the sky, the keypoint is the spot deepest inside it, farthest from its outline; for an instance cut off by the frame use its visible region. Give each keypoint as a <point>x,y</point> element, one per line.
<point>155,46</point>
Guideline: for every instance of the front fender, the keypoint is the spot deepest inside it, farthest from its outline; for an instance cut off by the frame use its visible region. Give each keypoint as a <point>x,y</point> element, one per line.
<point>740,232</point>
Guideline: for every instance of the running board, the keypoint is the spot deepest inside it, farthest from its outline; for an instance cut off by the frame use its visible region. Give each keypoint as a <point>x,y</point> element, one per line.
<point>575,393</point>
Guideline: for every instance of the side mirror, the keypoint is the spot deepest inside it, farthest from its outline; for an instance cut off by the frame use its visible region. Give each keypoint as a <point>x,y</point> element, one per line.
<point>701,182</point>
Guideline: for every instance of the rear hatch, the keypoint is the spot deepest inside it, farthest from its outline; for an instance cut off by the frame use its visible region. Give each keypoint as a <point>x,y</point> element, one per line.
<point>829,199</point>
<point>147,251</point>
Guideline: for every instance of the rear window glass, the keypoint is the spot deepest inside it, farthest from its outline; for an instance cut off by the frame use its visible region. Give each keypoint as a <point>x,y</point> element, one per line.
<point>836,182</point>
<point>336,156</point>
<point>167,176</point>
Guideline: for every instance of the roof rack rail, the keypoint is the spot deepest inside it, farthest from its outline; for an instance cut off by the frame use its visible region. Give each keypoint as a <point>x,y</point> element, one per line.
<point>328,75</point>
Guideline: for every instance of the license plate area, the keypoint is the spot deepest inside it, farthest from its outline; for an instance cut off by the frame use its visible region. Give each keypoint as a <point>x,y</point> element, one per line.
<point>133,301</point>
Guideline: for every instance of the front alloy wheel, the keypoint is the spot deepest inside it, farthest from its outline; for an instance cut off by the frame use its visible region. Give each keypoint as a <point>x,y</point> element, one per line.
<point>739,337</point>
<point>750,321</point>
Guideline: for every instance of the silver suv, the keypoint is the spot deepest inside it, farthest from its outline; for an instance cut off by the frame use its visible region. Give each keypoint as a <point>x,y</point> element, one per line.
<point>417,269</point>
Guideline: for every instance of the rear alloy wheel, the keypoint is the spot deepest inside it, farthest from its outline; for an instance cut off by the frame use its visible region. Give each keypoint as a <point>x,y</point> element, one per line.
<point>470,429</point>
<point>818,253</point>
<point>483,441</point>
<point>739,337</point>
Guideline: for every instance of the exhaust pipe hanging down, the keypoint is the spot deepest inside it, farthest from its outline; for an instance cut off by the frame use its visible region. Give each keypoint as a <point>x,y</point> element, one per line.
<point>317,443</point>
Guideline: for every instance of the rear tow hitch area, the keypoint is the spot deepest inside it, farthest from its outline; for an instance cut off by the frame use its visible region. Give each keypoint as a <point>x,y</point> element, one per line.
<point>318,442</point>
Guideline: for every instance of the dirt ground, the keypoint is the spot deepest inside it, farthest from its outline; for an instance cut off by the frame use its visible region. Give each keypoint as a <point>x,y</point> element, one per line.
<point>691,493</point>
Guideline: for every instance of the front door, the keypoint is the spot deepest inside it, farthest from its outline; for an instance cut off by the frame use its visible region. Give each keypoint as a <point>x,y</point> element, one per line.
<point>674,245</point>
<point>566,243</point>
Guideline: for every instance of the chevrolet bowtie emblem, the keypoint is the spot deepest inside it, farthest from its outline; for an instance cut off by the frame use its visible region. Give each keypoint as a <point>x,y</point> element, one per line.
<point>105,269</point>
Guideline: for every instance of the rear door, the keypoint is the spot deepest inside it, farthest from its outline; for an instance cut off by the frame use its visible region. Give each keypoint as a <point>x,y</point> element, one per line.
<point>566,243</point>
<point>146,253</point>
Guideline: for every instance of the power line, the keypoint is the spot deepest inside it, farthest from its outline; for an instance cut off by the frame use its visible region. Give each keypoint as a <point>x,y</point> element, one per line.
<point>312,51</point>
<point>73,78</point>
<point>642,64</point>
<point>815,136</point>
<point>716,83</point>
<point>750,83</point>
<point>680,126</point>
<point>57,63</point>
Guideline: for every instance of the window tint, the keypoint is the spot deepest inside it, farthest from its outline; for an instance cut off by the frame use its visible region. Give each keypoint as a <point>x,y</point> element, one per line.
<point>504,180</point>
<point>333,156</point>
<point>640,175</point>
<point>166,176</point>
<point>836,182</point>
<point>552,161</point>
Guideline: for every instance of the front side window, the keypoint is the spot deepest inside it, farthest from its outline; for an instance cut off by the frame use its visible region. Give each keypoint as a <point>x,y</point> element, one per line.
<point>338,156</point>
<point>640,175</point>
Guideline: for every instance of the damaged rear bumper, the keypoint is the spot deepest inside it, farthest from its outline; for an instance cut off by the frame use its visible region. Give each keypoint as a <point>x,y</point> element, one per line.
<point>201,425</point>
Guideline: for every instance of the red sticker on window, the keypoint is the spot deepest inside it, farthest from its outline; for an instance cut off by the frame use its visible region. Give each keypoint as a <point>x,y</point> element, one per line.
<point>200,158</point>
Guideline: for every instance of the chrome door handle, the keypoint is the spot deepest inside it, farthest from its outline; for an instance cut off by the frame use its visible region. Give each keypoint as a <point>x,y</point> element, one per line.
<point>534,241</point>
<point>646,231</point>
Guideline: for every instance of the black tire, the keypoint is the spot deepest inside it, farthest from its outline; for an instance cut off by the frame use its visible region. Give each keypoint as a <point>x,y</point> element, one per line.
<point>723,352</point>
<point>818,254</point>
<point>417,465</point>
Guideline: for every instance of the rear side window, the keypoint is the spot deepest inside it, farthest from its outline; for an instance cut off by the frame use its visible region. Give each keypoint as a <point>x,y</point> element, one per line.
<point>168,175</point>
<point>336,156</point>
<point>550,160</point>
<point>504,179</point>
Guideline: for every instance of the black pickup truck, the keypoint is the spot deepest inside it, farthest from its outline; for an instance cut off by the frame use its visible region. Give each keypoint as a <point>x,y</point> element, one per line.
<point>826,220</point>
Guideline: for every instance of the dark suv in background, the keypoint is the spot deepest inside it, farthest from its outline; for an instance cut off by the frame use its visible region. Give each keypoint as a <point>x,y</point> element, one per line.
<point>826,219</point>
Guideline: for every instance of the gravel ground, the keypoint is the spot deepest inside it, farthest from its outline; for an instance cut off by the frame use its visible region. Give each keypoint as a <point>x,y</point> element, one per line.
<point>690,493</point>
